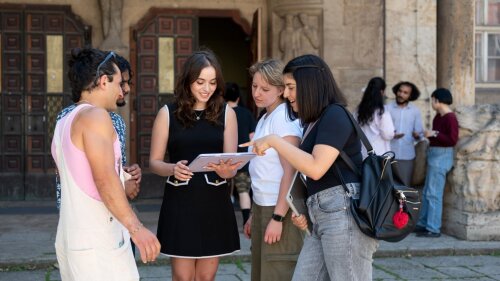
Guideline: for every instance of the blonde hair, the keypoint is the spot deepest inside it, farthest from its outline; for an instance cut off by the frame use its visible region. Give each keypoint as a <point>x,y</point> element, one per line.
<point>271,70</point>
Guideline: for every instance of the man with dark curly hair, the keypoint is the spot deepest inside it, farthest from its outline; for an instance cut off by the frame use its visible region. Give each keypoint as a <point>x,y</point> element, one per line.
<point>407,127</point>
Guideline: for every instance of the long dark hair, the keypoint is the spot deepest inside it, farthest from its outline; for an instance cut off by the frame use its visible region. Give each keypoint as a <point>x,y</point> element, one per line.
<point>185,100</point>
<point>372,101</point>
<point>316,88</point>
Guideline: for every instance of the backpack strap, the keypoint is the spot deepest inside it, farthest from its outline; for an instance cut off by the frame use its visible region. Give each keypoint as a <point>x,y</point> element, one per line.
<point>359,132</point>
<point>349,163</point>
<point>347,160</point>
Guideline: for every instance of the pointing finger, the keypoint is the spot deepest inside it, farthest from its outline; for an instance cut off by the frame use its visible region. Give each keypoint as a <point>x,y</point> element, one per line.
<point>247,144</point>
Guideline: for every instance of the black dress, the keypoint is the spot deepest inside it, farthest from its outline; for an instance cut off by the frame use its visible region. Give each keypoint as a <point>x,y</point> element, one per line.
<point>196,217</point>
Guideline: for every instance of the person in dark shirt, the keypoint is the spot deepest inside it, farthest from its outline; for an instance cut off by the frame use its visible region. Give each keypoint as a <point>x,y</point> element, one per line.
<point>246,128</point>
<point>336,248</point>
<point>442,139</point>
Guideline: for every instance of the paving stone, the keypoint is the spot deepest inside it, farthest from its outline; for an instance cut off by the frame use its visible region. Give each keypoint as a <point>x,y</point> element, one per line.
<point>229,277</point>
<point>461,272</point>
<point>23,275</point>
<point>229,269</point>
<point>379,274</point>
<point>408,269</point>
<point>458,260</point>
<point>489,271</point>
<point>160,271</point>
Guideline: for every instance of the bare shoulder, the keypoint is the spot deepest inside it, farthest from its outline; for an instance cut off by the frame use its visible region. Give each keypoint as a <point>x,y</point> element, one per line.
<point>230,112</point>
<point>95,118</point>
<point>163,116</point>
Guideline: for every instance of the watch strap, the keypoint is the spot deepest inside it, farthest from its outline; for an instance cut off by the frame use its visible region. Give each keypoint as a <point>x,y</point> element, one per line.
<point>278,218</point>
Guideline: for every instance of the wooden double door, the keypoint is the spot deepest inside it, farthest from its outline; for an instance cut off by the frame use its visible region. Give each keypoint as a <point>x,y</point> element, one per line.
<point>35,42</point>
<point>160,44</point>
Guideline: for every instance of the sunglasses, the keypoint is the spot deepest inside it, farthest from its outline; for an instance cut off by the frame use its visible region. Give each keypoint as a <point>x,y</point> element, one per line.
<point>108,57</point>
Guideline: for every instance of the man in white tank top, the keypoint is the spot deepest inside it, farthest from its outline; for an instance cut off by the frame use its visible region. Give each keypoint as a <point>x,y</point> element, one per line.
<point>96,221</point>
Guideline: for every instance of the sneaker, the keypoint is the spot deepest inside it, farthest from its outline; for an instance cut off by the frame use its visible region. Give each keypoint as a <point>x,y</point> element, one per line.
<point>419,229</point>
<point>429,234</point>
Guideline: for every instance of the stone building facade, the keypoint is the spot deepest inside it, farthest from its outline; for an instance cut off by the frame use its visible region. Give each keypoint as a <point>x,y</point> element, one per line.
<point>431,43</point>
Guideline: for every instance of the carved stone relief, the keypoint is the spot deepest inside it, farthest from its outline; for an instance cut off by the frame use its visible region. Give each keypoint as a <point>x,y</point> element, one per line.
<point>472,199</point>
<point>475,177</point>
<point>367,30</point>
<point>111,15</point>
<point>298,34</point>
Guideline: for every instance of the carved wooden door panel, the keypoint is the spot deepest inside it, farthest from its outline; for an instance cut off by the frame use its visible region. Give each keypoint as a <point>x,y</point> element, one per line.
<point>161,44</point>
<point>35,43</point>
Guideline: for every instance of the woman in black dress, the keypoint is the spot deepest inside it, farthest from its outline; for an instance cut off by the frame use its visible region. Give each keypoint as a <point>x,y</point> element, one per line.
<point>197,223</point>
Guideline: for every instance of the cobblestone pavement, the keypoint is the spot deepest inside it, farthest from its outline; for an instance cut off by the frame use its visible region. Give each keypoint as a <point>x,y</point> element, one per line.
<point>27,234</point>
<point>384,269</point>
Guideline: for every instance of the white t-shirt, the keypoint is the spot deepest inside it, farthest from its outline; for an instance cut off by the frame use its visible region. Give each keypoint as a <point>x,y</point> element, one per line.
<point>266,171</point>
<point>379,132</point>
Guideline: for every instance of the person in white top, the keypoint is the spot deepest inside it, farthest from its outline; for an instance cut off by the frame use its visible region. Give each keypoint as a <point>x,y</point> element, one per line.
<point>374,119</point>
<point>408,125</point>
<point>273,255</point>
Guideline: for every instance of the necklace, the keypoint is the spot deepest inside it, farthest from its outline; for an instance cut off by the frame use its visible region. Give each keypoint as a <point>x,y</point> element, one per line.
<point>198,116</point>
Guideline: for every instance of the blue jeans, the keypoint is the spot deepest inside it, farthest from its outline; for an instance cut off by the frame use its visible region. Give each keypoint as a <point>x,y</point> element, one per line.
<point>439,163</point>
<point>336,250</point>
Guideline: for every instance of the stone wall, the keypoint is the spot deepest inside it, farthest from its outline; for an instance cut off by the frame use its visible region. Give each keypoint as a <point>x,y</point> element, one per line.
<point>355,32</point>
<point>410,48</point>
<point>472,199</point>
<point>351,39</point>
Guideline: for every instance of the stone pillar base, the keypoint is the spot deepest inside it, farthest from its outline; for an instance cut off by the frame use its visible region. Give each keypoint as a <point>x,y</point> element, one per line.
<point>472,197</point>
<point>471,226</point>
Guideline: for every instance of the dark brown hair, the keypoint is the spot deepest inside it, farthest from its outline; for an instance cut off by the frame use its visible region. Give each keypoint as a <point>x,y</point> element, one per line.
<point>185,100</point>
<point>316,88</point>
<point>82,71</point>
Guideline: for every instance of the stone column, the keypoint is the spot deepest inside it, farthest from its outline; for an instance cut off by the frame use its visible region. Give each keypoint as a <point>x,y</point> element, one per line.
<point>455,49</point>
<point>472,198</point>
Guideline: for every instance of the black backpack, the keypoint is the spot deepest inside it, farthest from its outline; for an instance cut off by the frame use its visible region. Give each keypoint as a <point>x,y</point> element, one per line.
<point>386,209</point>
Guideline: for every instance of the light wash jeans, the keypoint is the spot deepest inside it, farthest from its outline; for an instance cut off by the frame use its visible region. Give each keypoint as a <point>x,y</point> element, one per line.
<point>336,250</point>
<point>439,163</point>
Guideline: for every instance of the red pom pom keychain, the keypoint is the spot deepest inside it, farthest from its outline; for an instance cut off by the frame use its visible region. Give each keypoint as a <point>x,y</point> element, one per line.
<point>400,218</point>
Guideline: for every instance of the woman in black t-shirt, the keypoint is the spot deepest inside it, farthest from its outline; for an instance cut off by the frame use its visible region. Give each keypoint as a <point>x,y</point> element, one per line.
<point>336,249</point>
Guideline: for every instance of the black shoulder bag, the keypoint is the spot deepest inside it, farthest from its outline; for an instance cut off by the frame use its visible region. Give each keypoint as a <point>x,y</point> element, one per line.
<point>386,209</point>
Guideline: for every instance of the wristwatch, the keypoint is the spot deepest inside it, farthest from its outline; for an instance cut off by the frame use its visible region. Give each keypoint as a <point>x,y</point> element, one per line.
<point>278,218</point>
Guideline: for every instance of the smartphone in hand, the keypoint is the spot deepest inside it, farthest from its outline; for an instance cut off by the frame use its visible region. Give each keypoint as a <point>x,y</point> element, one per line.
<point>398,135</point>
